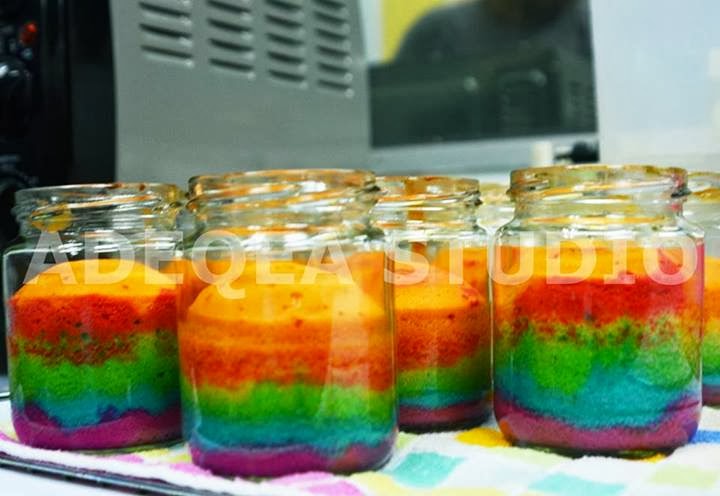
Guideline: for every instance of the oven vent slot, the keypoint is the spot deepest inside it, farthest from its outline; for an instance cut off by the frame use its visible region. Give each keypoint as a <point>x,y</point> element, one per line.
<point>166,30</point>
<point>231,39</point>
<point>286,45</point>
<point>333,48</point>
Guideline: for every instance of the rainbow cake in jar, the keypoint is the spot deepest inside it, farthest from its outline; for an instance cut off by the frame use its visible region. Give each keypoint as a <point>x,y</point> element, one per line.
<point>607,363</point>
<point>290,377</point>
<point>93,362</point>
<point>442,326</point>
<point>711,336</point>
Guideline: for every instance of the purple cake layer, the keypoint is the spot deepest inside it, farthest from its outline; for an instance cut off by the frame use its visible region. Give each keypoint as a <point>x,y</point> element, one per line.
<point>416,418</point>
<point>711,395</point>
<point>269,462</point>
<point>522,426</point>
<point>35,428</point>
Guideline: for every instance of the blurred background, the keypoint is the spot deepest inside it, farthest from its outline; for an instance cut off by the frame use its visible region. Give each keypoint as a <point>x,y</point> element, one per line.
<point>160,90</point>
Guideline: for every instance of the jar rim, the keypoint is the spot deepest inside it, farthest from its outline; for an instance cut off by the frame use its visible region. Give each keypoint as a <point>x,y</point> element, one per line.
<point>273,186</point>
<point>167,191</point>
<point>495,194</point>
<point>347,177</point>
<point>131,204</point>
<point>277,198</point>
<point>621,182</point>
<point>704,186</point>
<point>402,189</point>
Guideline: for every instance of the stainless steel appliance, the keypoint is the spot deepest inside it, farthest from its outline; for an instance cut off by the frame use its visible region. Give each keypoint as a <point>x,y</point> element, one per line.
<point>218,85</point>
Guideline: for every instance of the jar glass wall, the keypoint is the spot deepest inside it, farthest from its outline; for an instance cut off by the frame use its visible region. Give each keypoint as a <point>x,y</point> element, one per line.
<point>597,310</point>
<point>703,208</point>
<point>286,343</point>
<point>442,320</point>
<point>92,316</point>
<point>497,208</point>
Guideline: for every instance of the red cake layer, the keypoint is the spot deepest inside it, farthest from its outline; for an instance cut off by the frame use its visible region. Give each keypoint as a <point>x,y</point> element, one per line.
<point>594,300</point>
<point>50,318</point>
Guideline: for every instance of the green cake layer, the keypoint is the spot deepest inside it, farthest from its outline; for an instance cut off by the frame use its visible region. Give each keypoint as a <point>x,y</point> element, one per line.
<point>468,380</point>
<point>77,394</point>
<point>622,373</point>
<point>271,414</point>
<point>711,355</point>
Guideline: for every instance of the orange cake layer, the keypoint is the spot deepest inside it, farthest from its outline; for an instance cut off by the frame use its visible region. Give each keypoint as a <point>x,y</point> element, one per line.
<point>365,268</point>
<point>474,266</point>
<point>438,323</point>
<point>539,266</point>
<point>327,331</point>
<point>64,301</point>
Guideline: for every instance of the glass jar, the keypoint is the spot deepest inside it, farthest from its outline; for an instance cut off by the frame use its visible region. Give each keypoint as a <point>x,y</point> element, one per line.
<point>442,316</point>
<point>286,345</point>
<point>703,208</point>
<point>597,290</point>
<point>497,209</point>
<point>92,346</point>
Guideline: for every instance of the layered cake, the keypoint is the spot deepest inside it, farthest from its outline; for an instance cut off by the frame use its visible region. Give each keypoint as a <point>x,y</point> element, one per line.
<point>294,376</point>
<point>93,361</point>
<point>606,362</point>
<point>442,326</point>
<point>711,338</point>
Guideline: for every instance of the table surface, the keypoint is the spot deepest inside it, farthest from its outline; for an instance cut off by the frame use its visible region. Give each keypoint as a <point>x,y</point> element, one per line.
<point>474,461</point>
<point>18,483</point>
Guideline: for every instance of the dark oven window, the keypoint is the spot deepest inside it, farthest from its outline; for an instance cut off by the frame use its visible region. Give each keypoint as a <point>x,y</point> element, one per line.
<point>483,69</point>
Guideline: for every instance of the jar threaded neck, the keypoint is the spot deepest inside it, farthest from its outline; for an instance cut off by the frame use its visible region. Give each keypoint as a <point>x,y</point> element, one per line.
<point>74,209</point>
<point>427,202</point>
<point>283,200</point>
<point>619,183</point>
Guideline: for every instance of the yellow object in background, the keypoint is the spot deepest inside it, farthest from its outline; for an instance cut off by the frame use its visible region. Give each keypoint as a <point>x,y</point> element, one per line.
<point>399,17</point>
